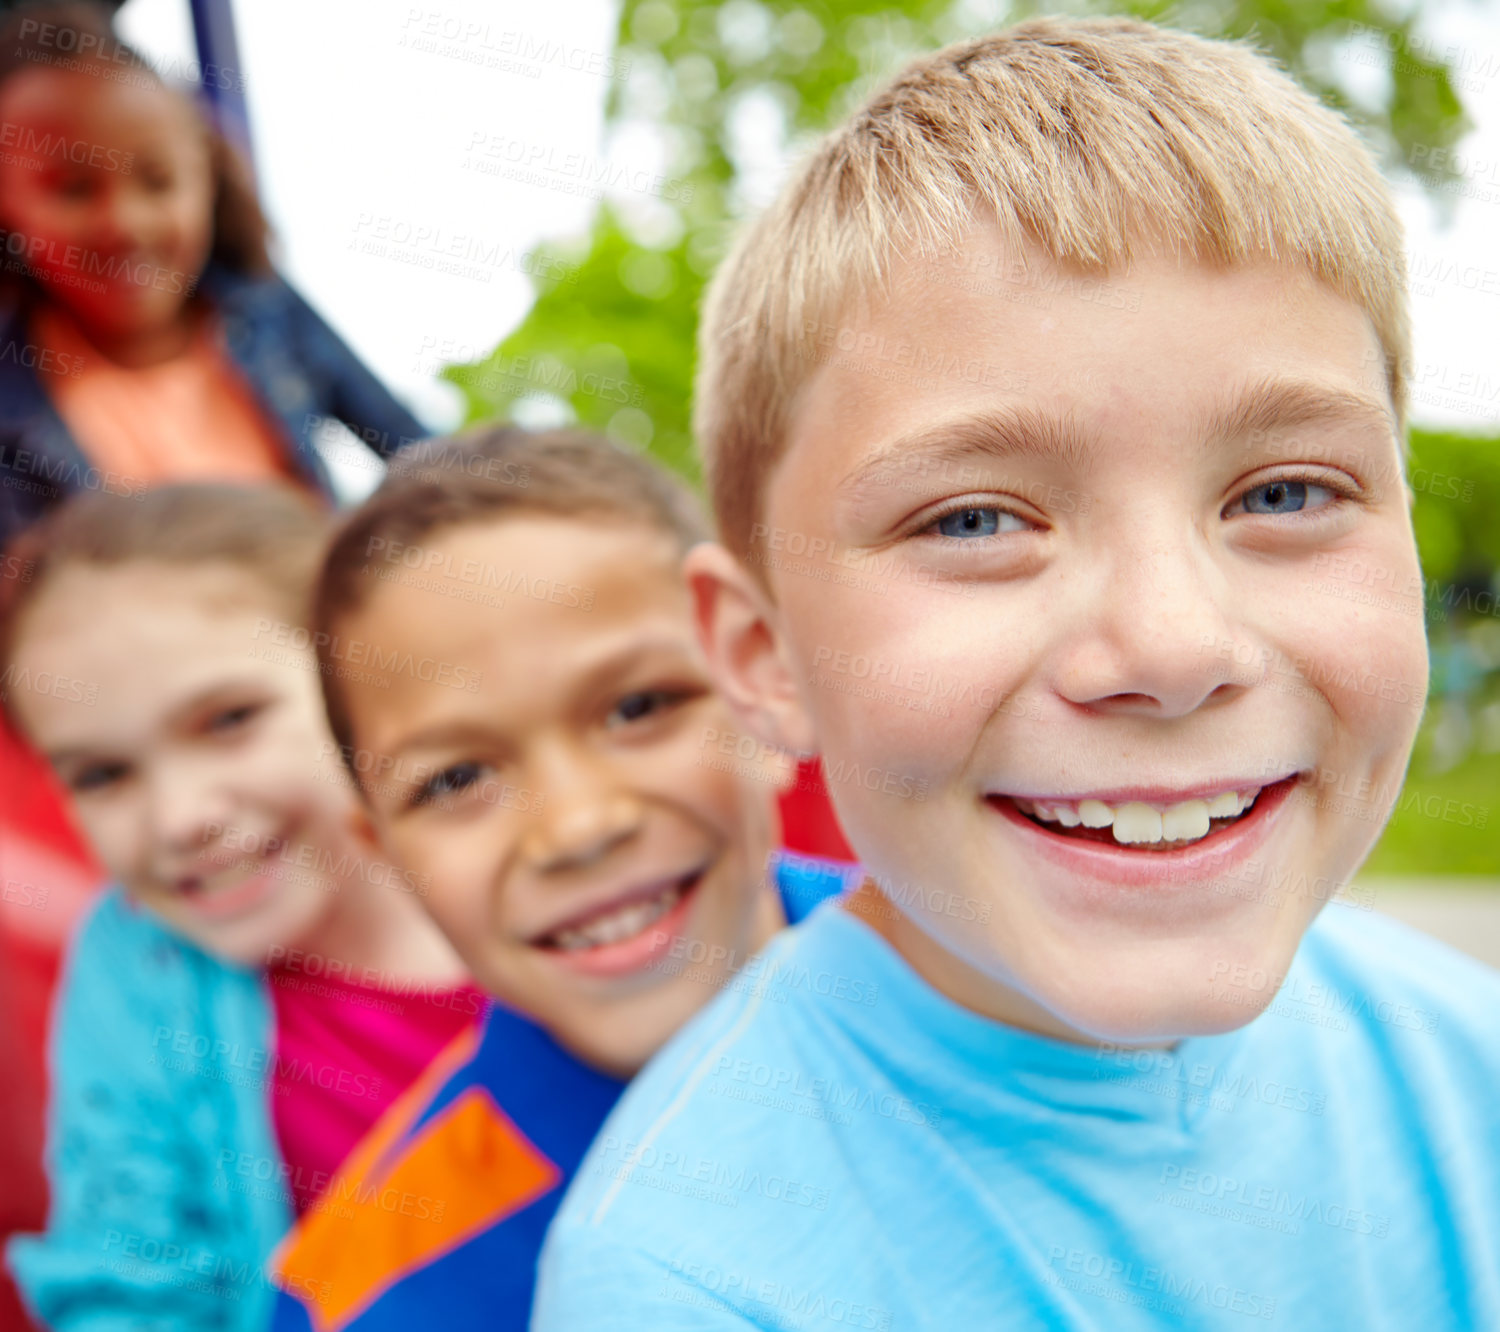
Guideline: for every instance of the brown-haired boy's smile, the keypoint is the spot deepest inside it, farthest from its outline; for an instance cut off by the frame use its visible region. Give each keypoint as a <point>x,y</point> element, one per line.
<point>1131,489</point>
<point>575,844</point>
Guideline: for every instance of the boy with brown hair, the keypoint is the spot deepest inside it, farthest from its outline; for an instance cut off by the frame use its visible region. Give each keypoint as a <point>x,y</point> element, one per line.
<point>1064,384</point>
<point>513,682</point>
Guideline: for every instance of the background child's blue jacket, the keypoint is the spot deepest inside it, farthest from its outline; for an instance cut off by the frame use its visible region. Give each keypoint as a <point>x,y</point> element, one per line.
<point>297,368</point>
<point>161,1155</point>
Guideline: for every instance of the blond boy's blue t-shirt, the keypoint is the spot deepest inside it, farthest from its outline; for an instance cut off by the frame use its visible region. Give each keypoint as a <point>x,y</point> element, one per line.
<point>838,1146</point>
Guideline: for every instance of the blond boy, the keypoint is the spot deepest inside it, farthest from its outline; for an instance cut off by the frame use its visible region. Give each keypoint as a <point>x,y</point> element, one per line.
<point>1053,418</point>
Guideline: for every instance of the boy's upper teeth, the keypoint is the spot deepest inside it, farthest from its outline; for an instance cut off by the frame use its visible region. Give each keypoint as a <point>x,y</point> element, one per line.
<point>622,923</point>
<point>1136,822</point>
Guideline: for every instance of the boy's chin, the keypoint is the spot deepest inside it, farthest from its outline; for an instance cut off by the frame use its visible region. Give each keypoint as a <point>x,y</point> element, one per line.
<point>619,1037</point>
<point>1164,1003</point>
<point>1164,1024</point>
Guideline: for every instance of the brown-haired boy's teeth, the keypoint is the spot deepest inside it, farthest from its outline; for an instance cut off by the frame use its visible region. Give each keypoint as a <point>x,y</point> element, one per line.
<point>618,925</point>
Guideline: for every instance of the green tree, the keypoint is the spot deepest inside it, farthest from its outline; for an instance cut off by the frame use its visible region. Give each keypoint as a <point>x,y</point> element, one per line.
<point>616,345</point>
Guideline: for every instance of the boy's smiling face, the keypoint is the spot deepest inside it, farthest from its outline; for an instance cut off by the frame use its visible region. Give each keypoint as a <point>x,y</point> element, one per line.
<point>1154,558</point>
<point>546,776</point>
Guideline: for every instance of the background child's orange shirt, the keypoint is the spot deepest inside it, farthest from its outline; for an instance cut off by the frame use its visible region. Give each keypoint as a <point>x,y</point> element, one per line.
<point>188,419</point>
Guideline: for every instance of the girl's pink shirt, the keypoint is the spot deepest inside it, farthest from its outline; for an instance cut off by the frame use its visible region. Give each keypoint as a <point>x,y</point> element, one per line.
<point>344,1052</point>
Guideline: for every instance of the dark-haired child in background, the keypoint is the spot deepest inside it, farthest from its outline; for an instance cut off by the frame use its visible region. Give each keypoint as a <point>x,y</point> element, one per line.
<point>150,339</point>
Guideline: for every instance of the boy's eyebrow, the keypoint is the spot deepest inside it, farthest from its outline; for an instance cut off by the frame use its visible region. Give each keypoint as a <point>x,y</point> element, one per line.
<point>998,433</point>
<point>219,691</point>
<point>612,660</point>
<point>1016,432</point>
<point>436,736</point>
<point>71,754</point>
<point>1271,403</point>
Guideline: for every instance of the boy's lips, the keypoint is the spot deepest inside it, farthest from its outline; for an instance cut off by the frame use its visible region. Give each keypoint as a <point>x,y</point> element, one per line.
<point>1139,858</point>
<point>223,886</point>
<point>627,931</point>
<point>231,895</point>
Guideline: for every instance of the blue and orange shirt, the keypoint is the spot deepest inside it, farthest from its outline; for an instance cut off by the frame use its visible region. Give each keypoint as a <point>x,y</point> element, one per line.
<point>439,1214</point>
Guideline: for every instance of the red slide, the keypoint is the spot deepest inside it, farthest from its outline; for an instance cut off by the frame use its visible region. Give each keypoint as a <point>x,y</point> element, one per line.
<point>47,878</point>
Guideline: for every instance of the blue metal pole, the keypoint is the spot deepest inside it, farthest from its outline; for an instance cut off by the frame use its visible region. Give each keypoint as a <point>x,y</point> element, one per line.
<point>223,76</point>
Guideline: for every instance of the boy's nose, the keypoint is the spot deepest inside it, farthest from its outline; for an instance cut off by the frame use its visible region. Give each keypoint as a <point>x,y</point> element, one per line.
<point>1147,641</point>
<point>576,832</point>
<point>584,814</point>
<point>186,810</point>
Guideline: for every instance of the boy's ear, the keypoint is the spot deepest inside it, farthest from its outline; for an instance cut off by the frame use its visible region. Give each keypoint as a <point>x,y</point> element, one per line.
<point>738,629</point>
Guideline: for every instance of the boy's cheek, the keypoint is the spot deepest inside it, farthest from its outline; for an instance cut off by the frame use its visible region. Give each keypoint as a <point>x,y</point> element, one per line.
<point>1373,666</point>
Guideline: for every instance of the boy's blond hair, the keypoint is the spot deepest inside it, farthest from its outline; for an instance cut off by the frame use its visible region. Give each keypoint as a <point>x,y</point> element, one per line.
<point>1092,138</point>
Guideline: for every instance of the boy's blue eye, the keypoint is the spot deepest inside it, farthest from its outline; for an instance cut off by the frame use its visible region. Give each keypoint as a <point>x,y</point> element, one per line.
<point>451,781</point>
<point>976,522</point>
<point>1279,497</point>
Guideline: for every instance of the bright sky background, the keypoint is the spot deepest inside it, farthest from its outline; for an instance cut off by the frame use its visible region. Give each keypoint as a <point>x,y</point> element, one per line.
<point>369,116</point>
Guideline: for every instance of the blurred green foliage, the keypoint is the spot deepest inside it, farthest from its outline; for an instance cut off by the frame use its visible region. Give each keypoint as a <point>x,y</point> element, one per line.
<point>1448,818</point>
<point>703,75</point>
<point>614,349</point>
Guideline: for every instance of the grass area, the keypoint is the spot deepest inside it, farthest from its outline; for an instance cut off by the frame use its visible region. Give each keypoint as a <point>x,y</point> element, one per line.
<point>1448,823</point>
